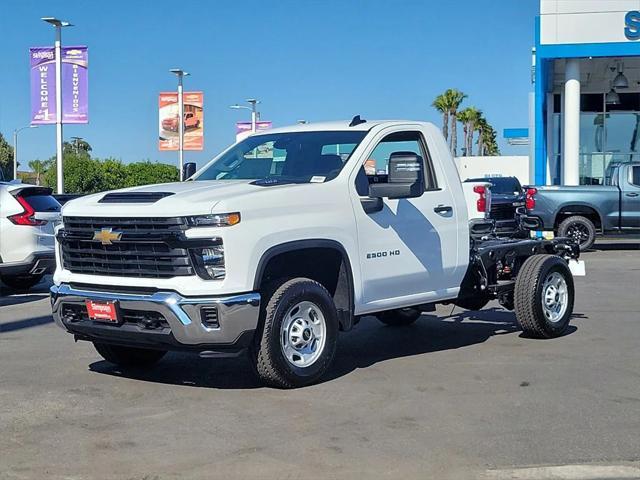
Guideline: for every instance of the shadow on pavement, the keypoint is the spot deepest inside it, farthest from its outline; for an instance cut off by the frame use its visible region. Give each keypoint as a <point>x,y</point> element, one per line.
<point>26,323</point>
<point>369,343</point>
<point>20,299</point>
<point>604,247</point>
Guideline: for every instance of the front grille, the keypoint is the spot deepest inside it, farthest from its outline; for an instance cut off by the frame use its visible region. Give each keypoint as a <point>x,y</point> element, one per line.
<point>503,211</point>
<point>146,249</point>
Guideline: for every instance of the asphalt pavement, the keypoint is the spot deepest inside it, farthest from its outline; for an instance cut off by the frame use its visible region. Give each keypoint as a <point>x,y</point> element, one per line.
<point>457,395</point>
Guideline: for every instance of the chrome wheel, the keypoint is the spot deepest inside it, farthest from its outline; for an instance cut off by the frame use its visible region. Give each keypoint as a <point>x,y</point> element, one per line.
<point>554,297</point>
<point>303,334</point>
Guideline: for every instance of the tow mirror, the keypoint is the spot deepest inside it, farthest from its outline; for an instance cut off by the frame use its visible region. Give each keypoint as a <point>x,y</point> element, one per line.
<point>405,178</point>
<point>188,169</point>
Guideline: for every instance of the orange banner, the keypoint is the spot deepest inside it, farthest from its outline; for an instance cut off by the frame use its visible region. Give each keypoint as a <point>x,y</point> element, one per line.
<point>169,121</point>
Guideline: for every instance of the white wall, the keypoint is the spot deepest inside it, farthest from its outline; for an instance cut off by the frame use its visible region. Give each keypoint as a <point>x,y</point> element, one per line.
<point>505,166</point>
<point>584,21</point>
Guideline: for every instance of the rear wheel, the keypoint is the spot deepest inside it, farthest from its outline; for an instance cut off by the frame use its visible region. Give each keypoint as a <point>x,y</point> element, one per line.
<point>129,356</point>
<point>400,317</point>
<point>21,282</point>
<point>544,295</point>
<point>299,331</point>
<point>580,229</point>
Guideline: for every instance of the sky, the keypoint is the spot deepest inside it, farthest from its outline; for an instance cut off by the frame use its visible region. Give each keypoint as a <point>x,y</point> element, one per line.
<point>312,60</point>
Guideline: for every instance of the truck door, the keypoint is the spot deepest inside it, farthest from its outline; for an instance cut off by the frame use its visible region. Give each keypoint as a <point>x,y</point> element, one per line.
<point>630,207</point>
<point>408,247</point>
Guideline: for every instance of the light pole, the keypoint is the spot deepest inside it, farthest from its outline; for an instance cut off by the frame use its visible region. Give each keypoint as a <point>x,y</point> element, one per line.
<point>180,74</point>
<point>254,113</point>
<point>15,148</point>
<point>58,24</point>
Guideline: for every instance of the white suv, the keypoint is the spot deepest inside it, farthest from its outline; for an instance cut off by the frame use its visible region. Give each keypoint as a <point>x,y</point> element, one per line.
<point>28,215</point>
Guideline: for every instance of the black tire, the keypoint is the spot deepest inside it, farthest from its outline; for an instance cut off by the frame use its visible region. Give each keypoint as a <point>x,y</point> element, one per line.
<point>579,228</point>
<point>21,282</point>
<point>269,360</point>
<point>129,356</point>
<point>529,296</point>
<point>474,303</point>
<point>400,317</point>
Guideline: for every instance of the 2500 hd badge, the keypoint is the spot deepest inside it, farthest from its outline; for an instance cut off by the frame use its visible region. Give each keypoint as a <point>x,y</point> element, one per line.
<point>390,253</point>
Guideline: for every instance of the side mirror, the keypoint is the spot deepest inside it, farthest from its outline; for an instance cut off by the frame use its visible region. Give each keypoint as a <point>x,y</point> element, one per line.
<point>188,169</point>
<point>405,177</point>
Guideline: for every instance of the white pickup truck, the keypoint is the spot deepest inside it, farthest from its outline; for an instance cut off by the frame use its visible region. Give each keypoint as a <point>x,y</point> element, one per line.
<point>286,238</point>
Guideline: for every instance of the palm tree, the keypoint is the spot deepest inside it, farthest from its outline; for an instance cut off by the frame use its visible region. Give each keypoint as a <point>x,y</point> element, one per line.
<point>481,127</point>
<point>440,104</point>
<point>39,167</point>
<point>469,118</point>
<point>454,99</point>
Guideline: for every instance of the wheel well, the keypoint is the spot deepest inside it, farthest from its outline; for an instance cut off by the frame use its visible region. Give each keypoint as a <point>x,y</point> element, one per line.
<point>327,265</point>
<point>580,210</point>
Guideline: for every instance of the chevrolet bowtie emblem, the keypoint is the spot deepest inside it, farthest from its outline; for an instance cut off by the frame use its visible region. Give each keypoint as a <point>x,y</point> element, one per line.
<point>106,236</point>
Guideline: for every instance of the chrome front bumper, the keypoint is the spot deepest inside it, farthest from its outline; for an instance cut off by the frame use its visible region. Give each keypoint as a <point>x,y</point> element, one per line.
<point>237,317</point>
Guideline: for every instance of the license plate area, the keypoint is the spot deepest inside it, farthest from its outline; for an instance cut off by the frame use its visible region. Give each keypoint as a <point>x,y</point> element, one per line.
<point>105,311</point>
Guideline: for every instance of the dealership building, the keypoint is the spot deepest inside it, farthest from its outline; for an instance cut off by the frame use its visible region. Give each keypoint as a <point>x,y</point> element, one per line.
<point>585,112</point>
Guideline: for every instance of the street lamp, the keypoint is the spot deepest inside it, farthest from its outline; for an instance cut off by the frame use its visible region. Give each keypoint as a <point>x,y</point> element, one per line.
<point>15,148</point>
<point>254,113</point>
<point>58,24</point>
<point>180,74</point>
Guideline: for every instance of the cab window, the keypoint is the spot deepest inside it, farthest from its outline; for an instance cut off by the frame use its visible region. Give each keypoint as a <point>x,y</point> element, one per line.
<point>376,166</point>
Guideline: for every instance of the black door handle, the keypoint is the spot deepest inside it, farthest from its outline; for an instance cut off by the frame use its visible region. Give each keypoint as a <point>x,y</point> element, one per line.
<point>442,209</point>
<point>632,194</point>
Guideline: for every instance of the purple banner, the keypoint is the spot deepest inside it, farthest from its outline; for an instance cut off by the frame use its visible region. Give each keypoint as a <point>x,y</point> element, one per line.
<point>75,85</point>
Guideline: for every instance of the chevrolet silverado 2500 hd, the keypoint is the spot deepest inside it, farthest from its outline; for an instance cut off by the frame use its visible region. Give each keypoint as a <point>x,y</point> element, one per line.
<point>283,240</point>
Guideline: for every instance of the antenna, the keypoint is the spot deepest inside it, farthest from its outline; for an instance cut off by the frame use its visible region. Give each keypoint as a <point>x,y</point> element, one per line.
<point>356,121</point>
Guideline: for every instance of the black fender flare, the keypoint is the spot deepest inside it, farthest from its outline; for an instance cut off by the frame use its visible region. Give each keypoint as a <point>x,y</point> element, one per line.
<point>305,244</point>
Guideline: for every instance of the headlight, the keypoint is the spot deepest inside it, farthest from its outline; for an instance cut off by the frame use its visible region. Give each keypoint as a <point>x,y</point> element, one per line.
<point>210,262</point>
<point>215,220</point>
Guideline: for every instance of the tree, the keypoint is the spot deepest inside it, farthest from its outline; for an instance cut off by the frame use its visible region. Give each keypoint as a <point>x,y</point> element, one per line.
<point>487,138</point>
<point>39,167</point>
<point>448,103</point>
<point>469,118</point>
<point>145,173</point>
<point>6,158</point>
<point>440,104</point>
<point>78,146</point>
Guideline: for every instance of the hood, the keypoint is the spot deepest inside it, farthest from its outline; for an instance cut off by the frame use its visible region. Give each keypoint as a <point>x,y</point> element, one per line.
<point>182,198</point>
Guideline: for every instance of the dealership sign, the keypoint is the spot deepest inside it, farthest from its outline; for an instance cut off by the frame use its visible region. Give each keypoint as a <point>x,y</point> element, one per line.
<point>169,121</point>
<point>75,85</point>
<point>243,129</point>
<point>632,25</point>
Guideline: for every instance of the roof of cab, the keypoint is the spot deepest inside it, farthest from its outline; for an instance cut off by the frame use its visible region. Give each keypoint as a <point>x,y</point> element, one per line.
<point>337,125</point>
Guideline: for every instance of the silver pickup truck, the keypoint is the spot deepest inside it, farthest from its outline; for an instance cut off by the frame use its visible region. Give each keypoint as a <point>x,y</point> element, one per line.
<point>583,211</point>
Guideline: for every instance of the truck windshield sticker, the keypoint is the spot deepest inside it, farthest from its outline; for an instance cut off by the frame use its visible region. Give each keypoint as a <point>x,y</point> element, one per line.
<point>317,179</point>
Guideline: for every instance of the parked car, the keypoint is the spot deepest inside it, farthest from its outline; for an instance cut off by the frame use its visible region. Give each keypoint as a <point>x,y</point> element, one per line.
<point>27,218</point>
<point>507,198</point>
<point>273,255</point>
<point>583,211</point>
<point>190,121</point>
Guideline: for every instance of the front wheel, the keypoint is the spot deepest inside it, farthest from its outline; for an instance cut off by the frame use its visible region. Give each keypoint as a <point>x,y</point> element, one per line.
<point>543,296</point>
<point>21,282</point>
<point>299,331</point>
<point>128,356</point>
<point>580,229</point>
<point>400,317</point>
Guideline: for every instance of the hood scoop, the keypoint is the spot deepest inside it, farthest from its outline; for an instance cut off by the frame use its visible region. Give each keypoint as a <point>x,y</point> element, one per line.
<point>134,197</point>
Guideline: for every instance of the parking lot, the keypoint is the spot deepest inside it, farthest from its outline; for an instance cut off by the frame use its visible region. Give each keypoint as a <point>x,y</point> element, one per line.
<point>454,396</point>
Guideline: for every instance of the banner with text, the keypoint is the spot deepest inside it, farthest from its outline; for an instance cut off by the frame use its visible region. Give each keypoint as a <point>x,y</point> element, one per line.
<point>75,85</point>
<point>193,120</point>
<point>243,129</point>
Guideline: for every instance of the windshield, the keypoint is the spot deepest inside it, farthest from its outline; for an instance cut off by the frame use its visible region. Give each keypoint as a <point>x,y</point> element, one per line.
<point>294,157</point>
<point>501,185</point>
